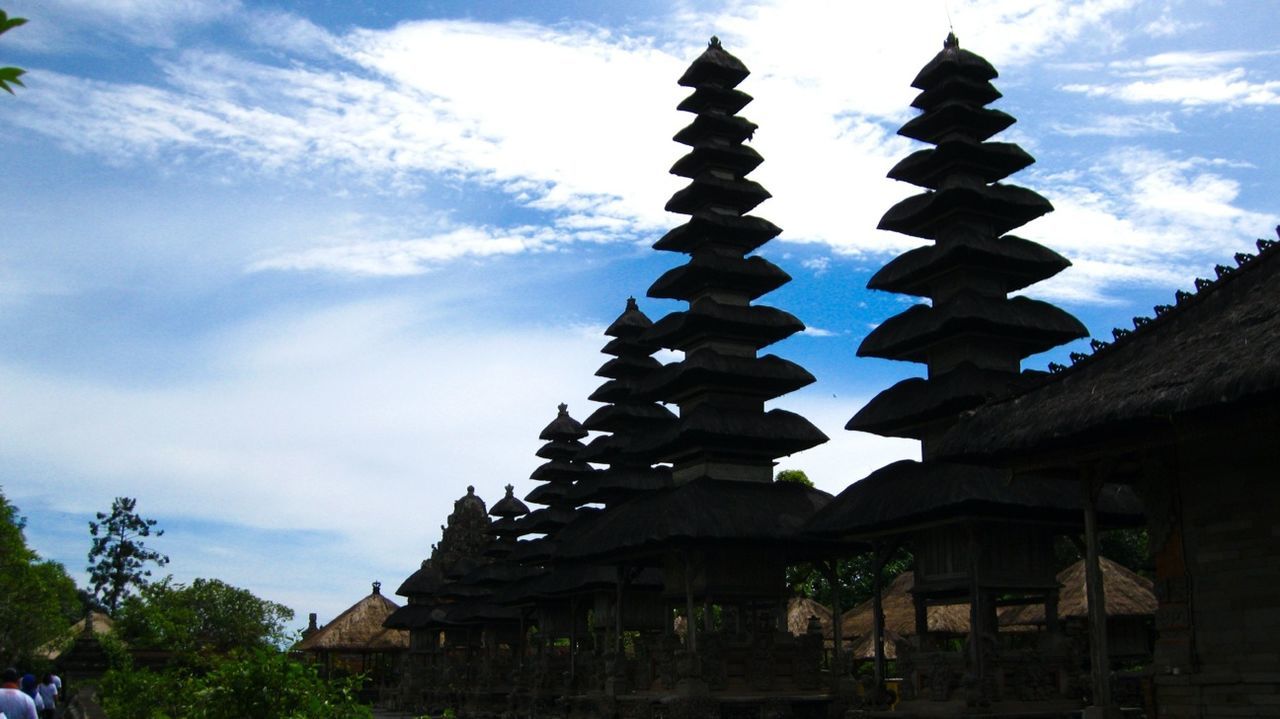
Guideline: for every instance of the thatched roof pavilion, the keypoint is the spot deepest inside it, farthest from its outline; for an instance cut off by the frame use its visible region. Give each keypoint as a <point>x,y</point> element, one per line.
<point>1128,595</point>
<point>359,629</point>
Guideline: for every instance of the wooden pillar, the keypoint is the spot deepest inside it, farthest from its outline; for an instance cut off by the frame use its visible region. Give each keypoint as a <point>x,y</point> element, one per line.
<point>573,639</point>
<point>618,648</point>
<point>690,630</point>
<point>975,604</point>
<point>877,612</point>
<point>1099,659</point>
<point>831,569</point>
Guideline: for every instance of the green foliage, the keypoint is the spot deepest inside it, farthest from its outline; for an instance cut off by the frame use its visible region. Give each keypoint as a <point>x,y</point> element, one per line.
<point>207,616</point>
<point>38,600</point>
<point>794,475</point>
<point>118,557</point>
<point>9,75</point>
<point>854,578</point>
<point>254,684</point>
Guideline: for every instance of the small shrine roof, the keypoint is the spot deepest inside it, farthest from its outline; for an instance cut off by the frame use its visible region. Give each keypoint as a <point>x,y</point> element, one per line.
<point>359,628</point>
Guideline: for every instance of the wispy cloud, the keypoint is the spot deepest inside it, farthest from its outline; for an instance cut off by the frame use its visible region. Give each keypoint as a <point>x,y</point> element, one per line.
<point>1191,79</point>
<point>70,25</point>
<point>1120,126</point>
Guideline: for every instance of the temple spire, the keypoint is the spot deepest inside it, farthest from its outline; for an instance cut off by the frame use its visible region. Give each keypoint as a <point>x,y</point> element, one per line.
<point>972,335</point>
<point>721,385</point>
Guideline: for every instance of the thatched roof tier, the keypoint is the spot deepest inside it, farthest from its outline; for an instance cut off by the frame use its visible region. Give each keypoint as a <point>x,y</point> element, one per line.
<point>563,427</point>
<point>628,326</point>
<point>1012,262</point>
<point>957,118</point>
<point>712,191</point>
<point>737,433</point>
<point>987,161</point>
<point>750,276</point>
<point>714,68</point>
<point>703,512</point>
<point>499,574</point>
<point>906,408</point>
<point>620,483</point>
<point>546,519</point>
<point>953,61</point>
<point>950,89</point>
<point>553,492</point>
<point>755,326</point>
<point>410,616</point>
<point>1027,325</point>
<point>1217,348</point>
<point>424,581</point>
<point>709,98</point>
<point>900,615</point>
<point>1127,595</point>
<point>713,153</point>
<point>559,449</point>
<point>624,416</point>
<point>767,376</point>
<point>628,365</point>
<point>359,629</point>
<point>999,207</point>
<point>907,494</point>
<point>507,508</point>
<point>707,228</point>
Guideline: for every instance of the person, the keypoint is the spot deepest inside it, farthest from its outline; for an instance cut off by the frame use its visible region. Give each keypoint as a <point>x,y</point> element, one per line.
<point>28,685</point>
<point>48,693</point>
<point>14,703</point>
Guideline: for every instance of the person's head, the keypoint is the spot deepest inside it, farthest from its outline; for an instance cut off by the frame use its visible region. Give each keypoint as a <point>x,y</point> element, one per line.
<point>48,679</point>
<point>10,676</point>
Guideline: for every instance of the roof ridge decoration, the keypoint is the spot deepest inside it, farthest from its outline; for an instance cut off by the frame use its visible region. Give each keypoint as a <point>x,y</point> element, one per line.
<point>1163,313</point>
<point>972,335</point>
<point>721,385</point>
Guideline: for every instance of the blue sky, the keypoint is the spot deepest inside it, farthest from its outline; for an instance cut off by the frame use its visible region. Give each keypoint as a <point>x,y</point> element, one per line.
<point>295,274</point>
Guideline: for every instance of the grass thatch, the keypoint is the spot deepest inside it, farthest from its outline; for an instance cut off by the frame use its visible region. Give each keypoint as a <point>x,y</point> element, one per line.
<point>799,609</point>
<point>359,629</point>
<point>900,614</point>
<point>102,624</point>
<point>1127,594</point>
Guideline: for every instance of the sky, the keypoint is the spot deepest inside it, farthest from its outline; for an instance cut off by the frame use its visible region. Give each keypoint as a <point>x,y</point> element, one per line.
<point>294,275</point>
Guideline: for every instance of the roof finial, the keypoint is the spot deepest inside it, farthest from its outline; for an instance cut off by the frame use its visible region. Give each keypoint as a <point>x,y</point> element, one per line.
<point>715,43</point>
<point>952,42</point>
<point>471,489</point>
<point>377,587</point>
<point>631,304</point>
<point>510,489</point>
<point>564,408</point>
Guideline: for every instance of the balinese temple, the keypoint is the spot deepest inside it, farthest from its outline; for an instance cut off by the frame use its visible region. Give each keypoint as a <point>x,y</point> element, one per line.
<point>977,539</point>
<point>356,643</point>
<point>720,534</point>
<point>436,642</point>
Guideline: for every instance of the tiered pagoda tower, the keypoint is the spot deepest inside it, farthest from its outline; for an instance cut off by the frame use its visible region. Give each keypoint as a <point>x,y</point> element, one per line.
<point>627,419</point>
<point>721,385</point>
<point>563,437</point>
<point>971,334</point>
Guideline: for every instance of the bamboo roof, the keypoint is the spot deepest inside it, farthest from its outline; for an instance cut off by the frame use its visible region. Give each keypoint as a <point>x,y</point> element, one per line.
<point>1127,595</point>
<point>359,629</point>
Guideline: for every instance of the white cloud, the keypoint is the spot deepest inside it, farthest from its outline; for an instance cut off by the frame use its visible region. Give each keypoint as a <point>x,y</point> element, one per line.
<point>362,421</point>
<point>1120,126</point>
<point>62,25</point>
<point>818,332</point>
<point>1142,218</point>
<point>1191,79</point>
<point>398,258</point>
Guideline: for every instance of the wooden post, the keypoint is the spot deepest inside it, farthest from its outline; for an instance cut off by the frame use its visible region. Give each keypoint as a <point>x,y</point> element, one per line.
<point>877,612</point>
<point>573,639</point>
<point>1099,660</point>
<point>690,630</point>
<point>831,568</point>
<point>618,647</point>
<point>975,604</point>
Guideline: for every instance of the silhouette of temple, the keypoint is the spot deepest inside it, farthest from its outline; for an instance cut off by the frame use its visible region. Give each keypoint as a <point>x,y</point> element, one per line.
<point>654,587</point>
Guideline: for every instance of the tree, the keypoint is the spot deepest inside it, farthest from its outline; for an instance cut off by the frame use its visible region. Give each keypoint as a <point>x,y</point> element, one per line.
<point>794,475</point>
<point>207,616</point>
<point>118,557</point>
<point>9,75</point>
<point>38,600</point>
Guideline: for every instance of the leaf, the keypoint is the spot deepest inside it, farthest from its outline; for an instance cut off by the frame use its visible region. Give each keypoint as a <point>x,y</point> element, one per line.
<point>11,75</point>
<point>8,23</point>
